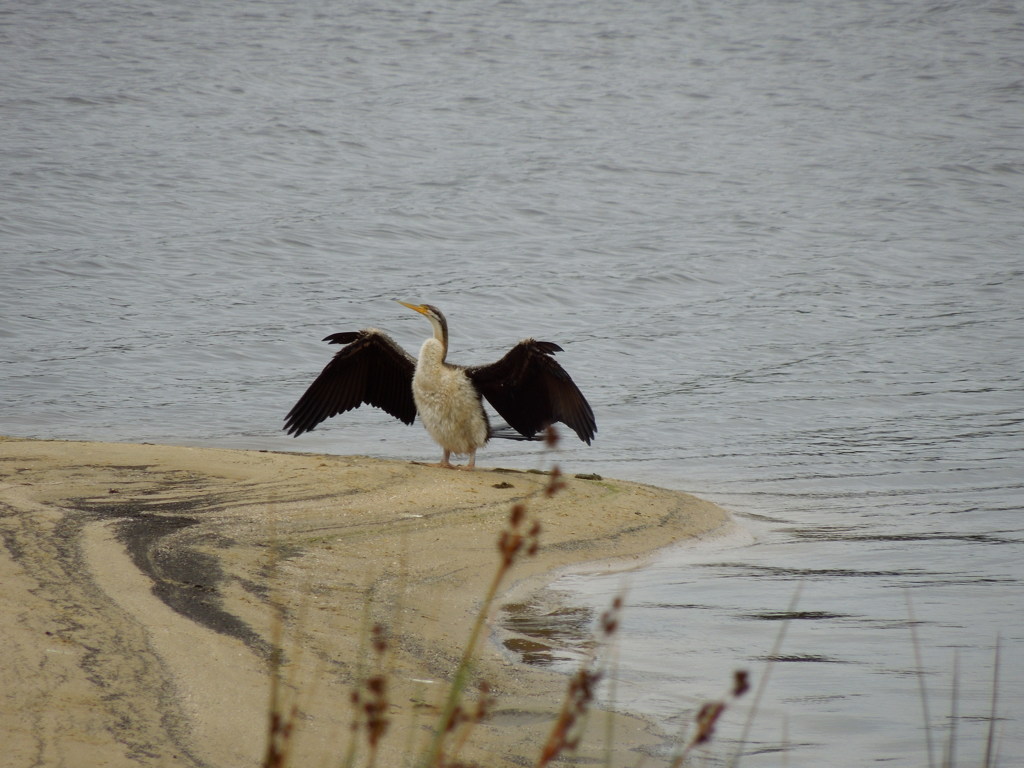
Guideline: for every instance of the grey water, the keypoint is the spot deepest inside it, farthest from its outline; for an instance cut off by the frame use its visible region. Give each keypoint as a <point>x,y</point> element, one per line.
<point>781,244</point>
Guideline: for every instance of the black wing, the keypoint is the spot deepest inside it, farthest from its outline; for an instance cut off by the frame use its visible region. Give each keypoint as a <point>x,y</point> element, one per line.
<point>531,390</point>
<point>371,368</point>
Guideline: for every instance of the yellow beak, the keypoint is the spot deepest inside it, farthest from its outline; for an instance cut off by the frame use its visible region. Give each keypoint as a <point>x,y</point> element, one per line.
<point>414,307</point>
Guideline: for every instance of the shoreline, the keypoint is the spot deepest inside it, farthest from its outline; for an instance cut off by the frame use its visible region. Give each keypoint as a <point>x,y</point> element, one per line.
<point>140,582</point>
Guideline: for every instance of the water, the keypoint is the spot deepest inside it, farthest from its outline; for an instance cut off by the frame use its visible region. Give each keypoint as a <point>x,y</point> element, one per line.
<point>781,244</point>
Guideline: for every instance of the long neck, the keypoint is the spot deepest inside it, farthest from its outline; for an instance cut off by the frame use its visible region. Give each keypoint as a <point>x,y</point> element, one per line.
<point>432,354</point>
<point>441,334</point>
<point>440,337</point>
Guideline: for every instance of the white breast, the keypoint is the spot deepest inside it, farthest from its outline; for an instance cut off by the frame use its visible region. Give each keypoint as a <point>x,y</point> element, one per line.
<point>447,403</point>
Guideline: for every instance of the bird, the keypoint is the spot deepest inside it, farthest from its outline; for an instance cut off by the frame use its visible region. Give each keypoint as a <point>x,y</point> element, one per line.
<point>527,387</point>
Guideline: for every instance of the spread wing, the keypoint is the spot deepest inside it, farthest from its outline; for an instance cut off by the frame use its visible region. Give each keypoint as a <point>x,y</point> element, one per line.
<point>531,390</point>
<point>371,368</point>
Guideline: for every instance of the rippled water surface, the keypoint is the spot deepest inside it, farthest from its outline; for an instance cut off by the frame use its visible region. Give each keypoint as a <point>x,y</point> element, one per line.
<point>781,244</point>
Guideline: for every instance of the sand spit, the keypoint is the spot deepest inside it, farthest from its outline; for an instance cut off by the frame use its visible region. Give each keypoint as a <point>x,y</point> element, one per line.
<point>138,581</point>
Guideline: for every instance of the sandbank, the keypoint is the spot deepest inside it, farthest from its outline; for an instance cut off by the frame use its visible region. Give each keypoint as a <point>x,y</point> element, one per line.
<point>138,583</point>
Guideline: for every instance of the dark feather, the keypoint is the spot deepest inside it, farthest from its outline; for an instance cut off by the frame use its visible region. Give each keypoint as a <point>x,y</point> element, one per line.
<point>371,368</point>
<point>530,390</point>
<point>505,432</point>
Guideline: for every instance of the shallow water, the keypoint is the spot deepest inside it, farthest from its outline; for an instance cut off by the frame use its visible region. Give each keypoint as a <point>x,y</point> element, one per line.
<point>780,243</point>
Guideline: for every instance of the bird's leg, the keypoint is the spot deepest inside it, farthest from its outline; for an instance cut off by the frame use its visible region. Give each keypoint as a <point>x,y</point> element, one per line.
<point>445,462</point>
<point>471,464</point>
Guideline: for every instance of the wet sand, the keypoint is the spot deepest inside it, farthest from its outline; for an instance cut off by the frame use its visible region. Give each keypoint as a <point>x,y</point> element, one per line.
<point>139,582</point>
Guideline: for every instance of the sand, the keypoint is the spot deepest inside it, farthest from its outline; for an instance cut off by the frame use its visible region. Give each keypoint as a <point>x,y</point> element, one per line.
<point>139,585</point>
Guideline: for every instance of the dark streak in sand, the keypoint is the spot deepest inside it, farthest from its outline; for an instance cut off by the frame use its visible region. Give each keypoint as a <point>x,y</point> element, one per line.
<point>184,578</point>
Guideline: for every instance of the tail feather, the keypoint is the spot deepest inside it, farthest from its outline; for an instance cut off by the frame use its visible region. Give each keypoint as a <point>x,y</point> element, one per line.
<point>505,432</point>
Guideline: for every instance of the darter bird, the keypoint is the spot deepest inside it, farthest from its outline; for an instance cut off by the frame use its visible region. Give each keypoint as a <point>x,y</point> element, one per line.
<point>527,387</point>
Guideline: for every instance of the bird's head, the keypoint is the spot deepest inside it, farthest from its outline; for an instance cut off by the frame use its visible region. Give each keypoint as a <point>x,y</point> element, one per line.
<point>436,318</point>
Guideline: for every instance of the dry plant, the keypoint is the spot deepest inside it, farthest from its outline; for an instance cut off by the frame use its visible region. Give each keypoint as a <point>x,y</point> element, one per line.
<point>568,728</point>
<point>990,755</point>
<point>519,537</point>
<point>281,718</point>
<point>708,716</point>
<point>460,726</point>
<point>281,714</point>
<point>369,698</point>
<point>949,753</point>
